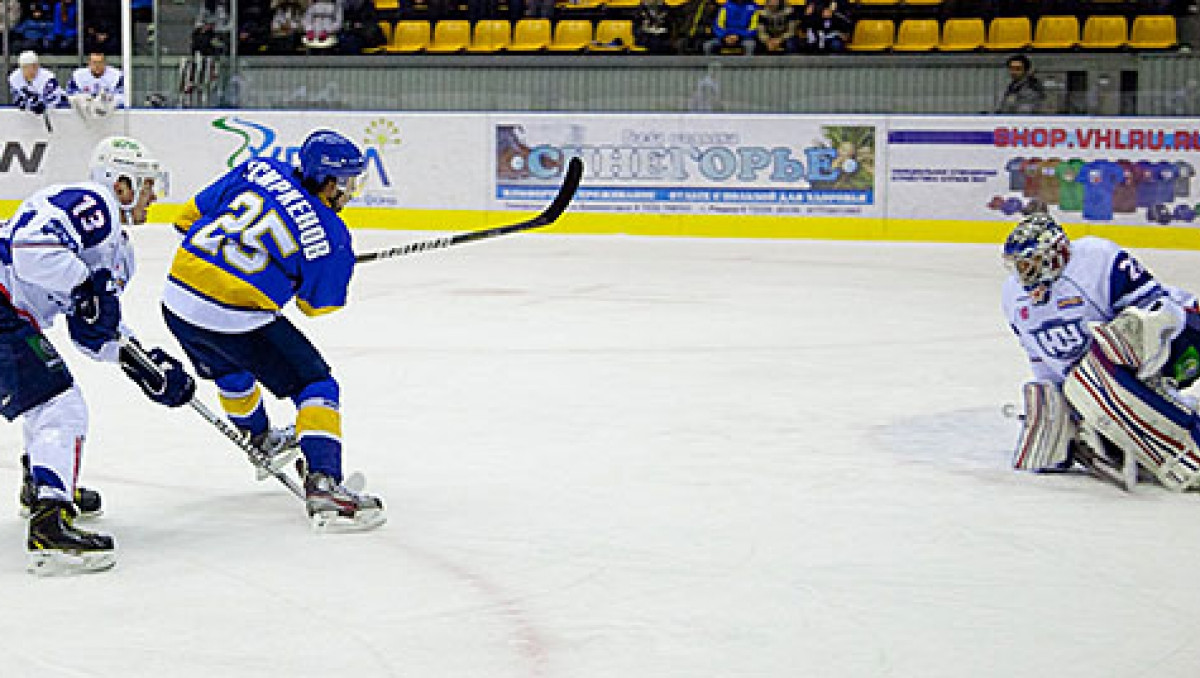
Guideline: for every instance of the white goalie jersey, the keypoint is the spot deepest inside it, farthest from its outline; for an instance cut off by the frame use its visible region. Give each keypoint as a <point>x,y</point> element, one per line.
<point>56,239</point>
<point>1099,281</point>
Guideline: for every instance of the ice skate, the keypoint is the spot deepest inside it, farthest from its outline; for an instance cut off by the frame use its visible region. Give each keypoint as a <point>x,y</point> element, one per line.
<point>279,448</point>
<point>87,501</point>
<point>333,507</point>
<point>57,547</point>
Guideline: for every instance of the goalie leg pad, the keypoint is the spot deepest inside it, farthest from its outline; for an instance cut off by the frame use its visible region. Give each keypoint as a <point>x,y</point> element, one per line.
<point>1133,416</point>
<point>1045,439</point>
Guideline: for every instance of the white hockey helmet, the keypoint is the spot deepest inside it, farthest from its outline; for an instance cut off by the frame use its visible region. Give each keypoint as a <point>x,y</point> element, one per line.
<point>1037,250</point>
<point>116,157</point>
<point>27,58</point>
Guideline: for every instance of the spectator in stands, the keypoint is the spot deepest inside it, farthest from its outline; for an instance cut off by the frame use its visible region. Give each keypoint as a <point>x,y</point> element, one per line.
<point>286,25</point>
<point>254,25</point>
<point>652,26</point>
<point>36,30</point>
<point>823,28</point>
<point>1025,93</point>
<point>776,24</point>
<point>65,32</point>
<point>102,26</point>
<point>360,27</point>
<point>736,27</point>
<point>322,24</point>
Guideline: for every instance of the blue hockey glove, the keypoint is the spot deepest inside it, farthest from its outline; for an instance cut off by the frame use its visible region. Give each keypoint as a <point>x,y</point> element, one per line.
<point>165,382</point>
<point>95,312</point>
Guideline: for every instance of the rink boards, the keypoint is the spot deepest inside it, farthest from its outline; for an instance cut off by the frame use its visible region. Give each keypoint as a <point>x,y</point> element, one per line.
<point>940,179</point>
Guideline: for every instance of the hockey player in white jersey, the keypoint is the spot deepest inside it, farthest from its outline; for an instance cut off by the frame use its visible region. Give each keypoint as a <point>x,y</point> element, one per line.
<point>96,89</point>
<point>64,252</point>
<point>33,88</point>
<point>1110,347</point>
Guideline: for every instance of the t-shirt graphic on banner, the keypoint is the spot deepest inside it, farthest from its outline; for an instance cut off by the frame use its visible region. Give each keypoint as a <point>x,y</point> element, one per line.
<point>1183,178</point>
<point>1147,191</point>
<point>1016,174</point>
<point>1125,197</point>
<point>1070,192</point>
<point>1048,189</point>
<point>1032,169</point>
<point>1099,179</point>
<point>1164,176</point>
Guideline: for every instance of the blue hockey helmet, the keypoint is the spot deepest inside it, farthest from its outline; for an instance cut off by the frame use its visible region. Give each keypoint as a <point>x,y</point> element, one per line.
<point>326,154</point>
<point>1037,250</point>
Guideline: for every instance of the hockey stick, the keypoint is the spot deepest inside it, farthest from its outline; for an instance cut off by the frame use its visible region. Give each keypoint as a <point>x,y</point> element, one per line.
<point>252,452</point>
<point>46,119</point>
<point>547,217</point>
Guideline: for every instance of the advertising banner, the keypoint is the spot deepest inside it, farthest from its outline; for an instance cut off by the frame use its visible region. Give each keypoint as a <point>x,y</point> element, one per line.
<point>726,165</point>
<point>1128,171</point>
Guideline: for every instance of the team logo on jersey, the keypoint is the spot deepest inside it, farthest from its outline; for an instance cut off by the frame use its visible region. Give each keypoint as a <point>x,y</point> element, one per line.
<point>1062,339</point>
<point>1070,302</point>
<point>1024,312</point>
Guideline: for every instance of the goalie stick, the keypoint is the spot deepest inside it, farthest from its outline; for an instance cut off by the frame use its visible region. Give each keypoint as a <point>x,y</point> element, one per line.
<point>548,216</point>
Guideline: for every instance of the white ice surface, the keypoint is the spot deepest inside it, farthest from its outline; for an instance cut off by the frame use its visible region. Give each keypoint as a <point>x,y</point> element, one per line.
<point>625,458</point>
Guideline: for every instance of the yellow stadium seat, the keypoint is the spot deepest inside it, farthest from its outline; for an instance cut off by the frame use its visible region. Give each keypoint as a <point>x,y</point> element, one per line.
<point>879,2</point>
<point>386,27</point>
<point>1008,33</point>
<point>917,35</point>
<point>1153,32</point>
<point>409,36</point>
<point>962,35</point>
<point>610,31</point>
<point>622,4</point>
<point>873,35</point>
<point>1056,32</point>
<point>531,35</point>
<point>923,2</point>
<point>569,5</point>
<point>387,5</point>
<point>450,36</point>
<point>491,35</point>
<point>572,35</point>
<point>1105,32</point>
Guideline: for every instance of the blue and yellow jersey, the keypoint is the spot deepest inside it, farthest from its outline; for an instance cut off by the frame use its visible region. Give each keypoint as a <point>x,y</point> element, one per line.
<point>253,240</point>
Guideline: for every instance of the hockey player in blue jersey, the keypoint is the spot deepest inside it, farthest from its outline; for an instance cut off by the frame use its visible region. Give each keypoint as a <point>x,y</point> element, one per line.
<point>64,252</point>
<point>1110,348</point>
<point>260,236</point>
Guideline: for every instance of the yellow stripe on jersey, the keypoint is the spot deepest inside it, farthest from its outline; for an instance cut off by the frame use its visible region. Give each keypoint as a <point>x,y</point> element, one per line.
<point>218,284</point>
<point>188,216</point>
<point>318,419</point>
<point>312,311</point>
<point>242,406</point>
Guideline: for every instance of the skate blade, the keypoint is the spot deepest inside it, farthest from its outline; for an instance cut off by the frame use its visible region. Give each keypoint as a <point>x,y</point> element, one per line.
<point>276,464</point>
<point>24,513</point>
<point>332,522</point>
<point>58,563</point>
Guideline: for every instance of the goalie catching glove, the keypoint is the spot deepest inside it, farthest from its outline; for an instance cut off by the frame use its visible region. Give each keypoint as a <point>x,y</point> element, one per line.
<point>164,381</point>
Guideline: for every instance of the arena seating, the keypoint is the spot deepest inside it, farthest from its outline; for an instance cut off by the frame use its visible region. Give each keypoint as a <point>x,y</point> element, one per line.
<point>902,26</point>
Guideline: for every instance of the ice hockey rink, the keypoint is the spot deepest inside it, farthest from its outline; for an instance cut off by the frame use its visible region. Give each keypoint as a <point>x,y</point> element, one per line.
<point>625,457</point>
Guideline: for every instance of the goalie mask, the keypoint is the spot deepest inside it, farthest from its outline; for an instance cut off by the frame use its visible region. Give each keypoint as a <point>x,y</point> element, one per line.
<point>1037,251</point>
<point>116,157</point>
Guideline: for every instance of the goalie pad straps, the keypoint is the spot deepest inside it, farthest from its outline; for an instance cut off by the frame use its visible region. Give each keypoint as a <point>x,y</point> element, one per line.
<point>1136,418</point>
<point>1045,439</point>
